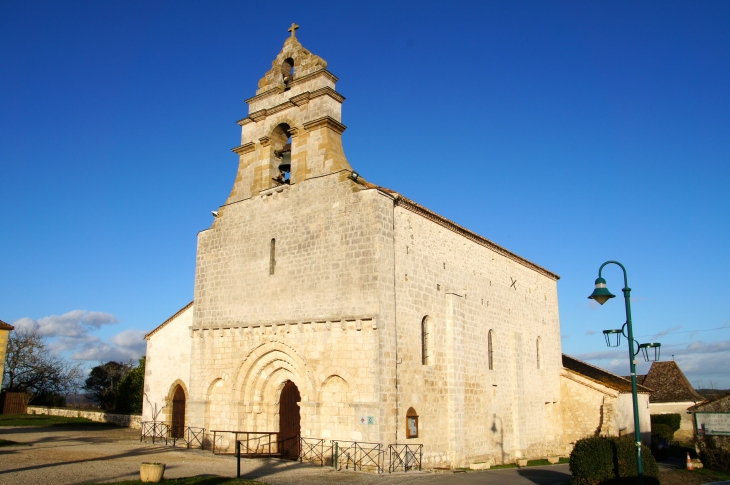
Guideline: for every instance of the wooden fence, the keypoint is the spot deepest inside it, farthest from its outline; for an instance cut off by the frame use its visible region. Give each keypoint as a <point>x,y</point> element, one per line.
<point>14,403</point>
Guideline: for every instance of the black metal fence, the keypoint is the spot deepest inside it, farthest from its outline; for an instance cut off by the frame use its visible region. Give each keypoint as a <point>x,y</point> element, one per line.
<point>156,430</point>
<point>404,457</point>
<point>354,455</point>
<point>311,450</point>
<point>358,454</point>
<point>164,431</point>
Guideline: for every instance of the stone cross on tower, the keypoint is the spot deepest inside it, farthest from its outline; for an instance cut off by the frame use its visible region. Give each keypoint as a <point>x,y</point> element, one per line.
<point>293,29</point>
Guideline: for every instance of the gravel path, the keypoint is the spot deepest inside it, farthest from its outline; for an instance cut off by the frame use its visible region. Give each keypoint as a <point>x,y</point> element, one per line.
<point>71,455</point>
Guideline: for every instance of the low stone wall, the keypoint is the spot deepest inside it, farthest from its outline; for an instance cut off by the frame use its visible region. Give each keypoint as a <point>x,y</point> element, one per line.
<point>127,420</point>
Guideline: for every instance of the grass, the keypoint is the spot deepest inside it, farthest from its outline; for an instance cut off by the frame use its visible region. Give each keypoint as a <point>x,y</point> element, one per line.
<point>45,420</point>
<point>500,467</point>
<point>200,480</point>
<point>10,443</point>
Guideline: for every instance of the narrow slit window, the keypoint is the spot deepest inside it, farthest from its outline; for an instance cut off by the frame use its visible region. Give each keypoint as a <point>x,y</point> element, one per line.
<point>272,256</point>
<point>490,350</point>
<point>425,341</point>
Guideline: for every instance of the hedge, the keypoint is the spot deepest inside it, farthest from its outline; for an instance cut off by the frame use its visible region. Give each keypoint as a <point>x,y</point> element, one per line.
<point>610,461</point>
<point>671,420</point>
<point>662,431</point>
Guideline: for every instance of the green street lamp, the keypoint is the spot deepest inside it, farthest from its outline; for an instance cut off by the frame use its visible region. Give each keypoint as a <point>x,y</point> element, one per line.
<point>613,339</point>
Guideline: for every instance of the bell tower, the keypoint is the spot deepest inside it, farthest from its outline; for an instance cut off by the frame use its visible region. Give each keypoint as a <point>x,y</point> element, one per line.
<point>293,130</point>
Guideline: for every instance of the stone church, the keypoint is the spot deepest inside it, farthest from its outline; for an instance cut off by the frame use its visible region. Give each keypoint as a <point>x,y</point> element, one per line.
<point>329,306</point>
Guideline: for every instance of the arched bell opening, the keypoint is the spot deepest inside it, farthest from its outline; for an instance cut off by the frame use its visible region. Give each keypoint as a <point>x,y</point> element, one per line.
<point>178,413</point>
<point>287,72</point>
<point>281,162</point>
<point>289,421</point>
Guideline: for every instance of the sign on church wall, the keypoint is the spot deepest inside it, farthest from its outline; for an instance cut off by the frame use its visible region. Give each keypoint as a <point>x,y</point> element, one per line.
<point>713,424</point>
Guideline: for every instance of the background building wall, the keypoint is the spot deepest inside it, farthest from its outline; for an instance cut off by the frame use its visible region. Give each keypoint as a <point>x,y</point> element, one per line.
<point>686,426</point>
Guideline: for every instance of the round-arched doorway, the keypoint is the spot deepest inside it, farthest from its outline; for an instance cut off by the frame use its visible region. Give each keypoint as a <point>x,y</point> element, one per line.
<point>289,421</point>
<point>178,413</point>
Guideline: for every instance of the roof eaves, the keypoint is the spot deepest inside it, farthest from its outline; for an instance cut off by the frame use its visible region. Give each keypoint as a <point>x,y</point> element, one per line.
<point>147,337</point>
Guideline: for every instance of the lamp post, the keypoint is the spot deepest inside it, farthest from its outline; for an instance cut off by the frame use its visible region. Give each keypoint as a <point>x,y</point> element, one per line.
<point>613,339</point>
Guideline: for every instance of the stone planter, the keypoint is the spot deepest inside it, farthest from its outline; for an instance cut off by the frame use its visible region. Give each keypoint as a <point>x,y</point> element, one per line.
<point>479,466</point>
<point>151,472</point>
<point>521,463</point>
<point>553,459</point>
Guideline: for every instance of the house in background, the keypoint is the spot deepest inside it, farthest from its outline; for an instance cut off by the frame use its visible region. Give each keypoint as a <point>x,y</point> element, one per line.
<point>4,336</point>
<point>718,406</point>
<point>672,394</point>
<point>596,401</point>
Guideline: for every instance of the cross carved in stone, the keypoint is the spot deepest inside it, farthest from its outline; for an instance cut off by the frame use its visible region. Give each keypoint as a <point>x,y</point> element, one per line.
<point>293,29</point>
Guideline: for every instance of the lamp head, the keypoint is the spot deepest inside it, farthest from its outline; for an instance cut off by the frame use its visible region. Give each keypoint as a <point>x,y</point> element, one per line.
<point>651,351</point>
<point>613,337</point>
<point>601,293</point>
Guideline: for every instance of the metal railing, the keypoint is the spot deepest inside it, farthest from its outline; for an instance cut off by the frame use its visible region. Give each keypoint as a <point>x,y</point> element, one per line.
<point>159,430</point>
<point>404,457</point>
<point>311,450</point>
<point>163,430</point>
<point>190,435</point>
<point>359,454</point>
<point>218,434</point>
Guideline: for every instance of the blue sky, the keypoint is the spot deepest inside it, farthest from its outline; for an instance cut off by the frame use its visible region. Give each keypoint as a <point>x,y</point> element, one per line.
<point>568,132</point>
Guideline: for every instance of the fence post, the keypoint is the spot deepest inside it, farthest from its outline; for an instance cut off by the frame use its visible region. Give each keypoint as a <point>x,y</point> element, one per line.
<point>334,456</point>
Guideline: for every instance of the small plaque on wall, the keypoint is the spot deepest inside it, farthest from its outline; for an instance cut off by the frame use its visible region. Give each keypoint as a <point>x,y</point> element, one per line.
<point>411,423</point>
<point>412,427</point>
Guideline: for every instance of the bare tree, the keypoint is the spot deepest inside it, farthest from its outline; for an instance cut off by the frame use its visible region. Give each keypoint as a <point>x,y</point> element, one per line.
<point>31,368</point>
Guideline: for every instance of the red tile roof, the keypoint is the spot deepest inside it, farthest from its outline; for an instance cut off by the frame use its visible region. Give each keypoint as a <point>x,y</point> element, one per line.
<point>5,326</point>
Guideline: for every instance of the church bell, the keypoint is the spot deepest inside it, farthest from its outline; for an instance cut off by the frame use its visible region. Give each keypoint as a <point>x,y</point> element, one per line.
<point>285,154</point>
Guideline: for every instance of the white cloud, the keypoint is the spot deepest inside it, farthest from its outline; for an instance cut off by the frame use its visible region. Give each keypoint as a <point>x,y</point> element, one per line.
<point>75,323</point>
<point>590,332</point>
<point>70,334</point>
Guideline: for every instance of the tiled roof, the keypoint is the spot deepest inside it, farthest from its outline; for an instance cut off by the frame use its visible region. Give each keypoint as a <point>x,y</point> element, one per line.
<point>146,337</point>
<point>5,326</point>
<point>670,384</point>
<point>700,406</point>
<point>599,375</point>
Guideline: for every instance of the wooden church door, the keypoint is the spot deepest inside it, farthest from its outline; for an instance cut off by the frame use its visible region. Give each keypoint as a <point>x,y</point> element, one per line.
<point>178,413</point>
<point>289,421</point>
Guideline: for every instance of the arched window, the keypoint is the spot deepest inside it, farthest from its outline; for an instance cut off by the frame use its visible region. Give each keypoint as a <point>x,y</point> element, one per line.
<point>425,359</point>
<point>490,349</point>
<point>538,345</point>
<point>272,256</point>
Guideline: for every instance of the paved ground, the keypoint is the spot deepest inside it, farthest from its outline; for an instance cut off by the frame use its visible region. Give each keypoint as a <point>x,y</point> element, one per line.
<point>60,456</point>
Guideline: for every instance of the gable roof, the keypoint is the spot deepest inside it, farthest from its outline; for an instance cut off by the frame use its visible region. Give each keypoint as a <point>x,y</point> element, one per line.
<point>5,326</point>
<point>670,384</point>
<point>147,337</point>
<point>600,376</point>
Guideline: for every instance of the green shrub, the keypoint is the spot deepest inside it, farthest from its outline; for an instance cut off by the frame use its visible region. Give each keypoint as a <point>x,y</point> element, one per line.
<point>715,459</point>
<point>591,461</point>
<point>609,461</point>
<point>662,431</point>
<point>671,420</point>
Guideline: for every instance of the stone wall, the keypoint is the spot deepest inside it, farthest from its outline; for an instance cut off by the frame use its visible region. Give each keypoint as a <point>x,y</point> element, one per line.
<point>467,412</point>
<point>133,421</point>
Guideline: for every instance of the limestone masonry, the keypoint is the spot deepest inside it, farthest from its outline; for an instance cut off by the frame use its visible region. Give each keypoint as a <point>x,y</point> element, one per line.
<point>394,324</point>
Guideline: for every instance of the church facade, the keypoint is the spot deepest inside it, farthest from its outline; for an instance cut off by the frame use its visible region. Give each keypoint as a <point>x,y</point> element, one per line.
<point>328,306</point>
